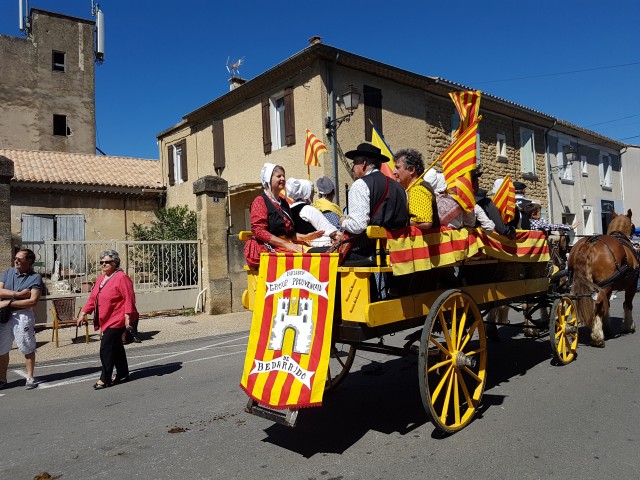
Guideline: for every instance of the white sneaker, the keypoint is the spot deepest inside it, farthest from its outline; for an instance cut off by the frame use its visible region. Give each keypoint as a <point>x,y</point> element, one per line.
<point>31,384</point>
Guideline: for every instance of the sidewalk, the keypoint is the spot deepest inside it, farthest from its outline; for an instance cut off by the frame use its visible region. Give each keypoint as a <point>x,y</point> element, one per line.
<point>153,331</point>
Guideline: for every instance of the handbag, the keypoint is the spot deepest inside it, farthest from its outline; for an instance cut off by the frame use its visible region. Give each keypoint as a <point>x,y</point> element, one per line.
<point>5,314</point>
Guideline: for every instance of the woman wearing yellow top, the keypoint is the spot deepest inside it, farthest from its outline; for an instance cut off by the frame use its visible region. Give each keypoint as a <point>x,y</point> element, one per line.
<point>408,170</point>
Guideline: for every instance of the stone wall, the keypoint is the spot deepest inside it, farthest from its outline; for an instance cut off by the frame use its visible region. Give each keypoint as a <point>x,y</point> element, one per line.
<point>31,92</point>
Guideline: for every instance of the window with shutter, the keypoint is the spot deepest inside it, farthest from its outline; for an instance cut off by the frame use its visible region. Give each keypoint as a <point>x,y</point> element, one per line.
<point>527,151</point>
<point>266,125</point>
<point>183,161</point>
<point>219,161</point>
<point>170,166</point>
<point>278,121</point>
<point>372,111</point>
<point>177,165</point>
<point>289,118</point>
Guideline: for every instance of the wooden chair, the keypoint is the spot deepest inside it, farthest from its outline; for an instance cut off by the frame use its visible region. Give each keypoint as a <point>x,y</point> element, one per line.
<point>64,315</point>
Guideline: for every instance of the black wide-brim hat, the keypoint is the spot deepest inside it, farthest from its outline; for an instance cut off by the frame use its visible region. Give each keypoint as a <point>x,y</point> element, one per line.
<point>519,186</point>
<point>367,150</point>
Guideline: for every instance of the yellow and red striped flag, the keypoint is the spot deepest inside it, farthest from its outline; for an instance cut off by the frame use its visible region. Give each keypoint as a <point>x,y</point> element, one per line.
<point>463,193</point>
<point>468,106</point>
<point>289,345</point>
<point>312,149</point>
<point>377,140</point>
<point>460,157</point>
<point>505,199</point>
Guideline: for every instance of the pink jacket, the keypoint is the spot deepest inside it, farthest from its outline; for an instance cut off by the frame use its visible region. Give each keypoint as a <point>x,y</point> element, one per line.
<point>114,300</point>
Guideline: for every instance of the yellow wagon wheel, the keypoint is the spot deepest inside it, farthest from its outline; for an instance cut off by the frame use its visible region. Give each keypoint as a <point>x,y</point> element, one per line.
<point>340,361</point>
<point>453,361</point>
<point>563,330</point>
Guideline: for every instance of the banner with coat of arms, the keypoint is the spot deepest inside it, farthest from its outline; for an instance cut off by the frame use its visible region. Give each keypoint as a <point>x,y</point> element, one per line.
<point>289,345</point>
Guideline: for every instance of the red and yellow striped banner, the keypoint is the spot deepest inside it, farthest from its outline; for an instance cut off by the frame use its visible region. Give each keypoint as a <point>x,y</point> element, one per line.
<point>528,246</point>
<point>468,106</point>
<point>460,157</point>
<point>464,192</point>
<point>505,200</point>
<point>289,344</point>
<point>312,149</point>
<point>411,250</point>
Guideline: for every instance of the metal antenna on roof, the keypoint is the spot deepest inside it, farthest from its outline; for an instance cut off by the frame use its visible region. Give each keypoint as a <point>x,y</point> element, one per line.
<point>25,18</point>
<point>233,67</point>
<point>96,12</point>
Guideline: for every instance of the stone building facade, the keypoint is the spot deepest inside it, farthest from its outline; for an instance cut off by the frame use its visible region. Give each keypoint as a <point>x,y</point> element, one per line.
<point>264,120</point>
<point>47,93</point>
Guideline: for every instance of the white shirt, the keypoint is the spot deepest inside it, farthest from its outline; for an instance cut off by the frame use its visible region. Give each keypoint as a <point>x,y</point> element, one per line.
<point>311,214</point>
<point>359,204</point>
<point>468,219</point>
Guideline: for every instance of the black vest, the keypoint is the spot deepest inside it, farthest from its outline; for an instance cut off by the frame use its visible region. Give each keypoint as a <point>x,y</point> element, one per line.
<point>277,225</point>
<point>392,213</point>
<point>302,226</point>
<point>525,219</point>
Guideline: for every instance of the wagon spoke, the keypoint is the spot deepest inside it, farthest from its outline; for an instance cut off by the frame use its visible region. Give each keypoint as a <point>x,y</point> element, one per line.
<point>465,390</point>
<point>456,396</point>
<point>472,373</point>
<point>469,334</point>
<point>438,389</point>
<point>463,320</point>
<point>439,345</point>
<point>445,330</point>
<point>438,365</point>
<point>447,398</point>
<point>474,352</point>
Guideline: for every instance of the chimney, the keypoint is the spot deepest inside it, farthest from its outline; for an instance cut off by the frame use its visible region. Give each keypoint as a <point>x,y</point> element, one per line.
<point>315,39</point>
<point>235,82</point>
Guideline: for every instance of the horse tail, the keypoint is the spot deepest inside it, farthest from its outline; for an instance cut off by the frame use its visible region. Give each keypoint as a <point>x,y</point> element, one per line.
<point>581,262</point>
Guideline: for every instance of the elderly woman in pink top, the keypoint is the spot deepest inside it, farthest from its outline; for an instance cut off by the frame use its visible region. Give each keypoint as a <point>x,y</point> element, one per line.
<point>113,302</point>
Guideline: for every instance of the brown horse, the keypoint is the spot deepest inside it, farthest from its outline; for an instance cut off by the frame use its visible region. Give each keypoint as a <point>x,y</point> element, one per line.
<point>598,265</point>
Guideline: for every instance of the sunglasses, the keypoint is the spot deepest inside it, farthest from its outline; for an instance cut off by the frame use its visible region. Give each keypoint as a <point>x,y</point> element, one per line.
<point>105,262</point>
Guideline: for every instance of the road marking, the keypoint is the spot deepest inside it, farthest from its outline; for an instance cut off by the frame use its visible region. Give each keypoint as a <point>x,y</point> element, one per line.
<point>158,357</point>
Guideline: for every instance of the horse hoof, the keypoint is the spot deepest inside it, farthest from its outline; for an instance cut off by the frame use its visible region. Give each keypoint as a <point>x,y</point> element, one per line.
<point>599,344</point>
<point>530,332</point>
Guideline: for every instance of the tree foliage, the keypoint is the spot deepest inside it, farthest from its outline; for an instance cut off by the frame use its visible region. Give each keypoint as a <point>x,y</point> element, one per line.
<point>173,223</point>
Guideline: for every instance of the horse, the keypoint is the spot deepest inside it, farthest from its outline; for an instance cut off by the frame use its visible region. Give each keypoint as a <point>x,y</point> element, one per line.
<point>598,265</point>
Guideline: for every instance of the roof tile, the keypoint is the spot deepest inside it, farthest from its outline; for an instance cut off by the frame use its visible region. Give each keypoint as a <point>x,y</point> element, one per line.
<point>34,166</point>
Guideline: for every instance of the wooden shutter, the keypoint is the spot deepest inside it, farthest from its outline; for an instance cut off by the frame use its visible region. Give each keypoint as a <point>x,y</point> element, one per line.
<point>218,146</point>
<point>172,178</point>
<point>183,161</point>
<point>372,111</point>
<point>289,118</point>
<point>266,126</point>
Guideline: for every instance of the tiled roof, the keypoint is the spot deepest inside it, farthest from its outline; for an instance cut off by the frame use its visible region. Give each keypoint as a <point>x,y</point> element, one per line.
<point>60,168</point>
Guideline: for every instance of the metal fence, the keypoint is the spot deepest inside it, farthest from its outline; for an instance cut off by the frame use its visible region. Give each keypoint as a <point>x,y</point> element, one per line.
<point>71,267</point>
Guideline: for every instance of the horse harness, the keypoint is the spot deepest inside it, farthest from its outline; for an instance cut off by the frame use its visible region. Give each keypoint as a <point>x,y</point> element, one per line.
<point>622,271</point>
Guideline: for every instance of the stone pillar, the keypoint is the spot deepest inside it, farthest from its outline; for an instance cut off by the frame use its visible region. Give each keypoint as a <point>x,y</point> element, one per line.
<point>6,247</point>
<point>211,208</point>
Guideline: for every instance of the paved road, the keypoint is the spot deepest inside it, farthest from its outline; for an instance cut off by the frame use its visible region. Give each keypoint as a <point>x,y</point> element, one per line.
<point>536,420</point>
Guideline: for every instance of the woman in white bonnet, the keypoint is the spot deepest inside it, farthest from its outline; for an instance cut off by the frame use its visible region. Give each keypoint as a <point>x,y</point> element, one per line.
<point>307,218</point>
<point>271,221</point>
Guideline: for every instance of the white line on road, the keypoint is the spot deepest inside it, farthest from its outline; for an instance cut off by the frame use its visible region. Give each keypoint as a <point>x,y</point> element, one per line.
<point>159,357</point>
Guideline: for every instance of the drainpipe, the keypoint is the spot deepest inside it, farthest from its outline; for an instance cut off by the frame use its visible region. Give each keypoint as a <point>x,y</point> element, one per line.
<point>334,134</point>
<point>548,165</point>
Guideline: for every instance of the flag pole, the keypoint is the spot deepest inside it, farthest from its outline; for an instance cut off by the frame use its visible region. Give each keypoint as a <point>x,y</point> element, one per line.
<point>308,172</point>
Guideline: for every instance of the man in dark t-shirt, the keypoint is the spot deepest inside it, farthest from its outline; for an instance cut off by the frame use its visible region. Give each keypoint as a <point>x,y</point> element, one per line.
<point>20,290</point>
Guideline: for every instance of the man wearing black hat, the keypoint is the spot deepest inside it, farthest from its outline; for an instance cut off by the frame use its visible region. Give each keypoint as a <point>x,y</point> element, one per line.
<point>374,199</point>
<point>521,202</point>
<point>487,205</point>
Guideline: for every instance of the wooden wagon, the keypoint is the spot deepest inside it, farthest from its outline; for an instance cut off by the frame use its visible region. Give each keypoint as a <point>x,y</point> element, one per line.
<point>447,279</point>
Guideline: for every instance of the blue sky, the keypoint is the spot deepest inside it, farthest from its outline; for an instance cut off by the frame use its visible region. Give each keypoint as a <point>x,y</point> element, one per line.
<point>578,60</point>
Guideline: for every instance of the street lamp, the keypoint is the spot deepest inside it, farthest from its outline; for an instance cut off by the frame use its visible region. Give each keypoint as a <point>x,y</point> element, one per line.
<point>350,100</point>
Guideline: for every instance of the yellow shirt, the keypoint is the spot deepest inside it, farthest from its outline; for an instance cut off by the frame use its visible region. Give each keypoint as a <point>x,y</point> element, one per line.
<point>420,202</point>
